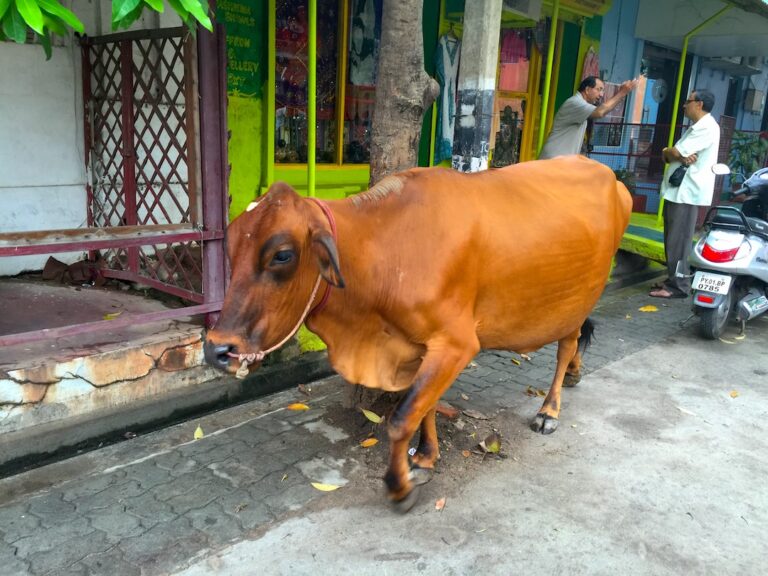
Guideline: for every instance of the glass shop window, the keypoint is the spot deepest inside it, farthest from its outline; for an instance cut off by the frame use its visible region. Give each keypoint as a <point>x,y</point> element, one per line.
<point>360,88</point>
<point>291,77</point>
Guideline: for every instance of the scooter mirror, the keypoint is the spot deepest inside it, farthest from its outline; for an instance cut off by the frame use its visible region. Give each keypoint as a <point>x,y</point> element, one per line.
<point>721,169</point>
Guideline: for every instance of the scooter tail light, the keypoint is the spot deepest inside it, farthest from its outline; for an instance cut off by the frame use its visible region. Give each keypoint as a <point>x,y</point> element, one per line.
<point>705,299</point>
<point>713,255</point>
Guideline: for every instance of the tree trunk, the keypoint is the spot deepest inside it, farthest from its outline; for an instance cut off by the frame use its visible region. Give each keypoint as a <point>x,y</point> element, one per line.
<point>403,92</point>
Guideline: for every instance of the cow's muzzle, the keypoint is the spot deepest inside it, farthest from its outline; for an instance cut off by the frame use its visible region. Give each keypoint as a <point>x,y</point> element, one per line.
<point>217,355</point>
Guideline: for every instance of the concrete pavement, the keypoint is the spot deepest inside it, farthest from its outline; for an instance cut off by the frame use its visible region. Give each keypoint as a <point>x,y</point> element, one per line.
<point>658,467</point>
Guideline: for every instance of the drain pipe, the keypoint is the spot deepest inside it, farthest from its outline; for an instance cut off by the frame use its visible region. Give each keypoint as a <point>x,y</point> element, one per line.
<point>312,98</point>
<point>548,76</point>
<point>678,90</point>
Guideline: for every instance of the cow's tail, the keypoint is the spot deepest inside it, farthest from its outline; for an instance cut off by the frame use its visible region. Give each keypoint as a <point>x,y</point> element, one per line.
<point>587,331</point>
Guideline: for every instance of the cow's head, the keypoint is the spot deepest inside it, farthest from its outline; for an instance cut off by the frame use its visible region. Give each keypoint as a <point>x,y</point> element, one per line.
<point>276,250</point>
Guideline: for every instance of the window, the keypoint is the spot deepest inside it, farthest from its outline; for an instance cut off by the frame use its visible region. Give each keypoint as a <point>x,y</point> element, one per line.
<point>291,77</point>
<point>360,89</point>
<point>610,129</point>
<point>358,77</point>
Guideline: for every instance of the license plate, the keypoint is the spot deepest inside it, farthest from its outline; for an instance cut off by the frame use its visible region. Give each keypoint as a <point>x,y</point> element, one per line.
<point>709,282</point>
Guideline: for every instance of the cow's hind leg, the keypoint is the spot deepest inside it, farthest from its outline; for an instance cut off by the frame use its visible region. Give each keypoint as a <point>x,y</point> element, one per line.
<point>547,419</point>
<point>428,451</point>
<point>573,372</point>
<point>441,365</point>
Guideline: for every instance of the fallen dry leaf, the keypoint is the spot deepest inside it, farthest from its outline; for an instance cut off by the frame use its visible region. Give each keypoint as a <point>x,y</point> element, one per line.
<point>724,341</point>
<point>476,415</point>
<point>325,487</point>
<point>525,357</point>
<point>112,315</point>
<point>372,416</point>
<point>284,478</point>
<point>515,361</point>
<point>472,364</point>
<point>734,394</point>
<point>649,308</point>
<point>440,504</point>
<point>198,433</point>
<point>628,317</point>
<point>446,410</point>
<point>464,396</point>
<point>368,442</point>
<point>241,507</point>
<point>531,391</point>
<point>465,453</point>
<point>297,406</point>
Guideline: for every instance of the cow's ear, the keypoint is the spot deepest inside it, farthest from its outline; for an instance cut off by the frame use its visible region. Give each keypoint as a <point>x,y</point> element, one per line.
<point>324,250</point>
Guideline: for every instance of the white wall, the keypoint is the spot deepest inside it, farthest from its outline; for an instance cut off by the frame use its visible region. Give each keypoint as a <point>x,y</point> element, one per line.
<point>42,169</point>
<point>42,173</point>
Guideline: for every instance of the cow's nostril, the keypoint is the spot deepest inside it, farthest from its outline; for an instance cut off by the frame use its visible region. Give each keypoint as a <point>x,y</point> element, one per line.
<point>218,355</point>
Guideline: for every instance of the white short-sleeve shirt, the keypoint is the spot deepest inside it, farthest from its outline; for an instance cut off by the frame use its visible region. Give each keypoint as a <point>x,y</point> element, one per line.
<point>568,127</point>
<point>698,185</point>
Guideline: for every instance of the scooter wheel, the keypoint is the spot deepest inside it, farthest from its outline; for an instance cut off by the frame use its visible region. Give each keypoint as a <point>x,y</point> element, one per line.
<point>714,320</point>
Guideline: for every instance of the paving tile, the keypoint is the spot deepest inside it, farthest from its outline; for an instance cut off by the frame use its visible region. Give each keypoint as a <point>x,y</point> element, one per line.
<point>164,547</point>
<point>149,509</point>
<point>116,522</point>
<point>90,485</point>
<point>16,522</point>
<point>109,563</point>
<point>218,526</point>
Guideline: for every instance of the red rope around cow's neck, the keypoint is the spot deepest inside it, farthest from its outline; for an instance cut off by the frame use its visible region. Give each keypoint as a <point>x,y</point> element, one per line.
<point>250,358</point>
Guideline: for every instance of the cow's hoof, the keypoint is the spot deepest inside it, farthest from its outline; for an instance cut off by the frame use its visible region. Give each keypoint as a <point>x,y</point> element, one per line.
<point>544,423</point>
<point>419,475</point>
<point>404,505</point>
<point>571,380</point>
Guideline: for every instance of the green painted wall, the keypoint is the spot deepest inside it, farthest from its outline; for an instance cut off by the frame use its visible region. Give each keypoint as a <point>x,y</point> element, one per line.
<point>569,57</point>
<point>429,26</point>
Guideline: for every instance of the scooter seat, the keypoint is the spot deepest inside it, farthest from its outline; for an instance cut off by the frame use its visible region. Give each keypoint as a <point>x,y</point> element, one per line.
<point>727,219</point>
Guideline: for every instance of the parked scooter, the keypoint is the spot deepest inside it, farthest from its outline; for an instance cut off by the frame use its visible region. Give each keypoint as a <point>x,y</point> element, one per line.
<point>731,260</point>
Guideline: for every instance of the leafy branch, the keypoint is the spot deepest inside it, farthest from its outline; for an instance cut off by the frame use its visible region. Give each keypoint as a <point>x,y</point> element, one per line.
<point>47,18</point>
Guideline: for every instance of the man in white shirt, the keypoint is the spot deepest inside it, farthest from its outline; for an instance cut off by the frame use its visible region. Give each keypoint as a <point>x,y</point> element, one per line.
<point>697,150</point>
<point>570,122</point>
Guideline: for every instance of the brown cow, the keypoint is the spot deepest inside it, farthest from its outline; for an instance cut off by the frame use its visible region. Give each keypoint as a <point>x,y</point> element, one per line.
<point>418,274</point>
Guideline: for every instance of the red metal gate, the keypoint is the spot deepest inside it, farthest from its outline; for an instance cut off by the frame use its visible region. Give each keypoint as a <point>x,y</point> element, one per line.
<point>141,152</point>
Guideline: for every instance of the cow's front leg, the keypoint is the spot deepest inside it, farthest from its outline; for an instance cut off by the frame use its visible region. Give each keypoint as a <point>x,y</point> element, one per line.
<point>438,370</point>
<point>547,419</point>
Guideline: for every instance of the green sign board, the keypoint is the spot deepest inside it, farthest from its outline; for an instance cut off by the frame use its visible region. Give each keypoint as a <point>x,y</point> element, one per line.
<point>246,45</point>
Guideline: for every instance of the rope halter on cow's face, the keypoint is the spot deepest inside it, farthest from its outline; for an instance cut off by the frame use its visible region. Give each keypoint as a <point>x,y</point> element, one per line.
<point>249,358</point>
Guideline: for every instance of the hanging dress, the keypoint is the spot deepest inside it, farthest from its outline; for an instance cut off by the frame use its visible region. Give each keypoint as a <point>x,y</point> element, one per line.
<point>447,68</point>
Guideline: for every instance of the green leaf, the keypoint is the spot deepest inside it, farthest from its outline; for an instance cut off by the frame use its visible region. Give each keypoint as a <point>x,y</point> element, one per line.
<point>179,9</point>
<point>131,17</point>
<point>54,25</point>
<point>55,9</point>
<point>156,5</point>
<point>195,8</point>
<point>372,416</point>
<point>4,5</point>
<point>14,26</point>
<point>45,40</point>
<point>31,13</point>
<point>121,9</point>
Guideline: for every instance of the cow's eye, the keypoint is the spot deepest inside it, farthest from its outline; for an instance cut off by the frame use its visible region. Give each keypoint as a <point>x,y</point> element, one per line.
<point>282,257</point>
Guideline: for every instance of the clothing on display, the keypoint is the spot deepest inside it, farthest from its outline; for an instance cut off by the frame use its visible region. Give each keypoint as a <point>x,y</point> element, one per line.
<point>447,69</point>
<point>591,64</point>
